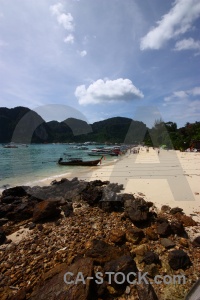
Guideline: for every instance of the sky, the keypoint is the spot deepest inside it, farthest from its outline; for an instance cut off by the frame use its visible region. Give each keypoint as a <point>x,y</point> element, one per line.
<point>97,59</point>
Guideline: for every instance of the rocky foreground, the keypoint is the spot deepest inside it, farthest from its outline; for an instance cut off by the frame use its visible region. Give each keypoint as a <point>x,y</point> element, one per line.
<point>89,227</point>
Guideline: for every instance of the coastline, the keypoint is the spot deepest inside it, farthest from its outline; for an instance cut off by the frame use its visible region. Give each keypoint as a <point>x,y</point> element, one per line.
<point>138,175</point>
<point>147,174</point>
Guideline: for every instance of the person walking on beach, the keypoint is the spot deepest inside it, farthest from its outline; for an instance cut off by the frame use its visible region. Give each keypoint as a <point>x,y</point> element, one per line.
<point>158,151</point>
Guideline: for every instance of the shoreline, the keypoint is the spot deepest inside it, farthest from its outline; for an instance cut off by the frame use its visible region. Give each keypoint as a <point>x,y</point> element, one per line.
<point>148,174</point>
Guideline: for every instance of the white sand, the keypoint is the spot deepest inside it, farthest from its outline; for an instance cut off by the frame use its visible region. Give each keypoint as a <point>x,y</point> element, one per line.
<point>170,178</point>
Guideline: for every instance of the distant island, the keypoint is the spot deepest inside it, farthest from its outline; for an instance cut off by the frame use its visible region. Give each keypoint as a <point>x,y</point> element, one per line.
<point>22,125</point>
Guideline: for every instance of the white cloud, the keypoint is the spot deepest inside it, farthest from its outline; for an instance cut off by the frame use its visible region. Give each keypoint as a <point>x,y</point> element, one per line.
<point>69,39</point>
<point>82,53</point>
<point>182,95</point>
<point>195,91</point>
<point>64,19</point>
<point>187,44</point>
<point>102,91</point>
<point>173,24</point>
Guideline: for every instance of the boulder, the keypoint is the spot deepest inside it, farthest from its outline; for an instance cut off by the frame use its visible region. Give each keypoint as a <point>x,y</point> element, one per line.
<point>178,259</point>
<point>21,212</point>
<point>137,210</point>
<point>196,242</point>
<point>163,227</point>
<point>54,286</point>
<point>178,228</point>
<point>110,201</point>
<point>151,257</point>
<point>117,236</point>
<point>101,252</point>
<point>44,210</point>
<point>124,264</point>
<point>18,191</point>
<point>92,195</point>
<point>9,199</point>
<point>175,210</point>
<point>165,209</point>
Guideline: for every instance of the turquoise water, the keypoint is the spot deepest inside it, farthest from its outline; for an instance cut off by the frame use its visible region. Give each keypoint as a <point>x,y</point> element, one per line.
<point>26,165</point>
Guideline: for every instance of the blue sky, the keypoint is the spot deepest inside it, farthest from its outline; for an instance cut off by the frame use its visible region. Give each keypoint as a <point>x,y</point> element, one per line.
<point>100,59</point>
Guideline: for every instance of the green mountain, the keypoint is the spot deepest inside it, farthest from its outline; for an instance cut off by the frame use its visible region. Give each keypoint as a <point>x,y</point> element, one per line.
<point>20,124</point>
<point>23,125</point>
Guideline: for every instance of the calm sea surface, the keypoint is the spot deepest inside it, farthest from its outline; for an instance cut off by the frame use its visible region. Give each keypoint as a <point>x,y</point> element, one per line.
<point>35,163</point>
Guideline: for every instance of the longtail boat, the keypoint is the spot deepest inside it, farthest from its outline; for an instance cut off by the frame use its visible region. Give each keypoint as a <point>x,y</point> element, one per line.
<point>79,162</point>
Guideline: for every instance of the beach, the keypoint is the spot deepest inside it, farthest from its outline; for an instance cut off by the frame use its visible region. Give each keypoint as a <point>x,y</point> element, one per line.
<point>126,211</point>
<point>168,178</point>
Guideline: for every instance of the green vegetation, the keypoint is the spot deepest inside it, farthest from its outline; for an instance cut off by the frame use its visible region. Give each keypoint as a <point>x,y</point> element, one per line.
<point>169,136</point>
<point>23,125</point>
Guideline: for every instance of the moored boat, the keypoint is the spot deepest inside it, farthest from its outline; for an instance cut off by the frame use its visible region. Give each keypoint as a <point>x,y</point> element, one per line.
<point>10,146</point>
<point>79,162</point>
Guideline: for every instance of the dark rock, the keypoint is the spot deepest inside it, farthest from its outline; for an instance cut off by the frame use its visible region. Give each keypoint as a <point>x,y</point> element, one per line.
<point>63,180</point>
<point>149,203</point>
<point>137,210</point>
<point>196,242</point>
<point>177,228</point>
<point>45,210</point>
<point>3,221</point>
<point>101,252</point>
<point>117,236</point>
<point>9,199</point>
<point>54,287</point>
<point>151,257</point>
<point>2,236</point>
<point>67,209</point>
<point>4,209</point>
<point>18,191</point>
<point>92,195</point>
<point>21,212</point>
<point>162,220</point>
<point>134,235</point>
<point>163,227</point>
<point>175,210</point>
<point>167,243</point>
<point>124,264</point>
<point>178,259</point>
<point>146,291</point>
<point>99,183</point>
<point>165,209</point>
<point>32,226</point>
<point>110,201</point>
<point>115,187</point>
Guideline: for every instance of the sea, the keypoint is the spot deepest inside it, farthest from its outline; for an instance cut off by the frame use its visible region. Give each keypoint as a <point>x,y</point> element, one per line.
<point>35,163</point>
